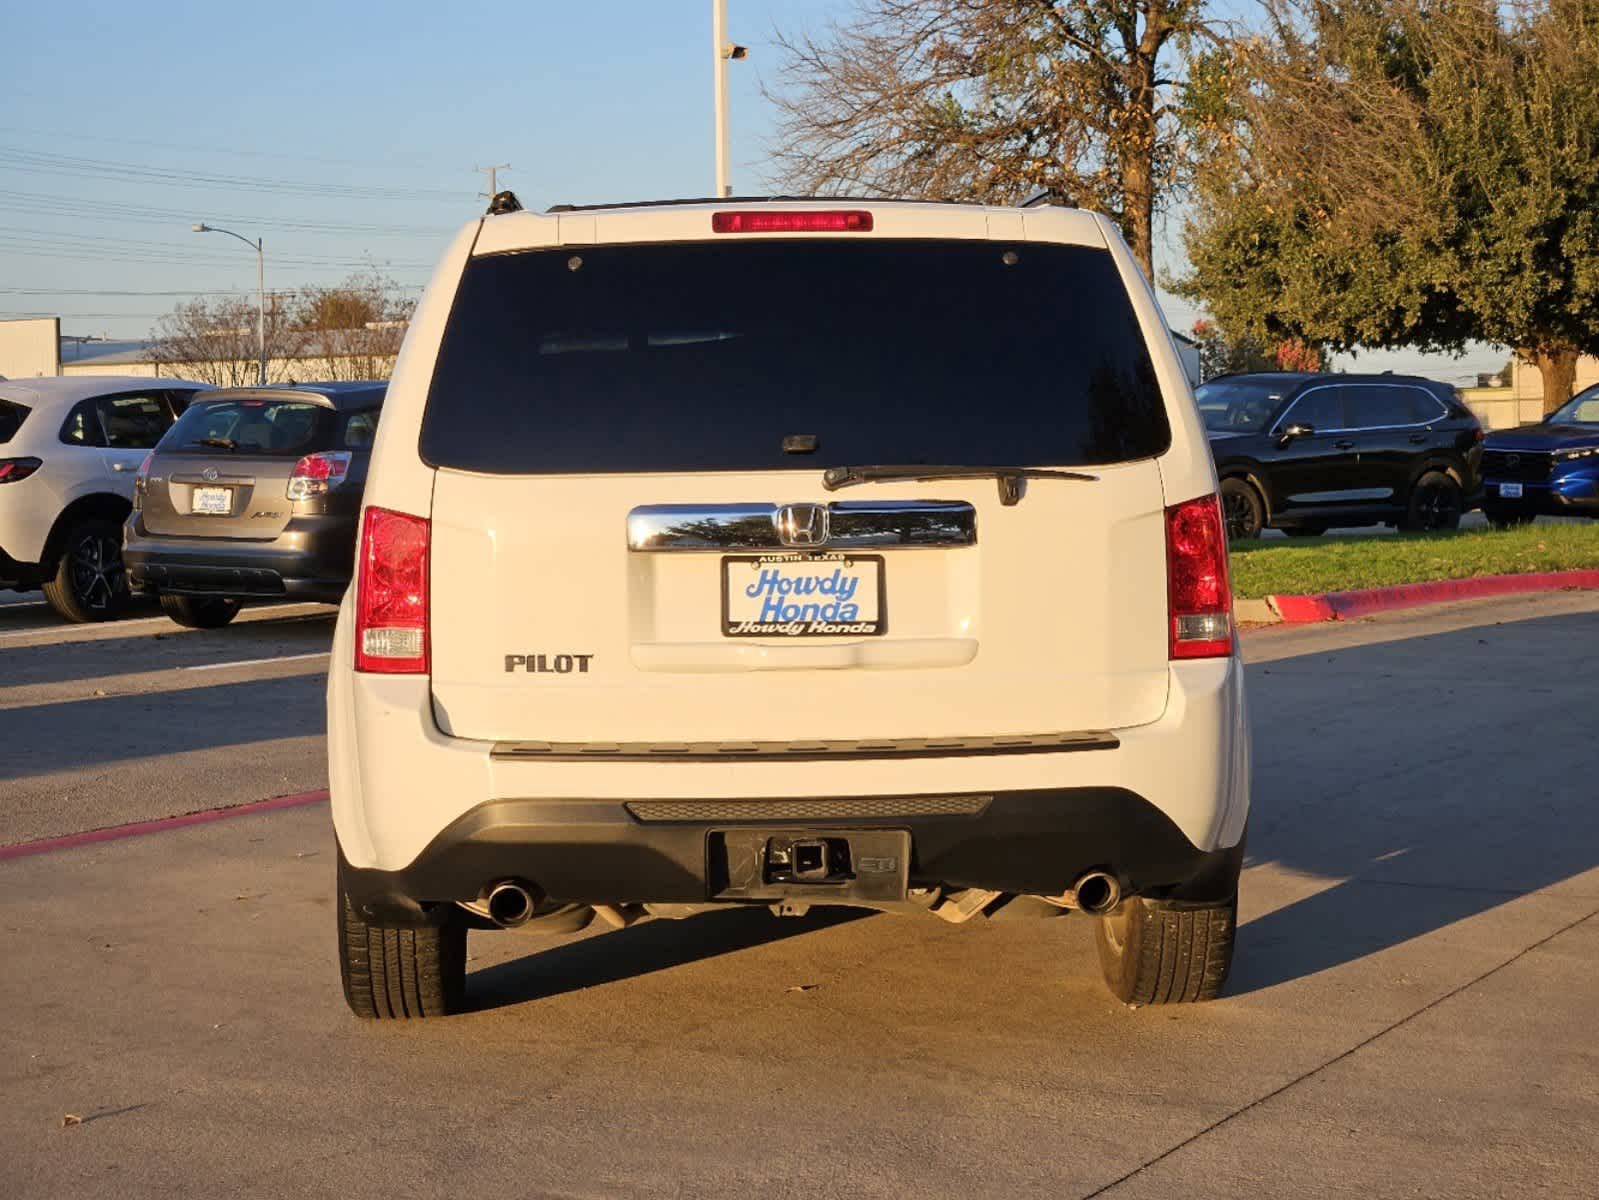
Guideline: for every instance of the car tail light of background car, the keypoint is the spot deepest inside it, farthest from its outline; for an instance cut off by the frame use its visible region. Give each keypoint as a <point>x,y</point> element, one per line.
<point>317,474</point>
<point>14,470</point>
<point>391,596</point>
<point>1196,570</point>
<point>141,481</point>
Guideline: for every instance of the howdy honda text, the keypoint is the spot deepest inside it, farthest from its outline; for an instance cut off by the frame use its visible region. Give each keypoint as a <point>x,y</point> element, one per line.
<point>799,595</point>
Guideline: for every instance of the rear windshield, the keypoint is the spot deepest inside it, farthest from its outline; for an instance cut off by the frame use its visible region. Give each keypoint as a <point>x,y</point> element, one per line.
<point>275,428</point>
<point>11,416</point>
<point>705,357</point>
<point>1240,405</point>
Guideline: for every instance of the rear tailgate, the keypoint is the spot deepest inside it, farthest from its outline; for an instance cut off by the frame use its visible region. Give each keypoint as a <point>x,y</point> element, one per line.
<point>708,384</point>
<point>547,626</point>
<point>223,470</point>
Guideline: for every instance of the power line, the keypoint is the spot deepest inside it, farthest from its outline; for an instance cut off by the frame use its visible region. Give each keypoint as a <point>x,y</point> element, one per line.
<point>55,204</point>
<point>223,150</point>
<point>63,164</point>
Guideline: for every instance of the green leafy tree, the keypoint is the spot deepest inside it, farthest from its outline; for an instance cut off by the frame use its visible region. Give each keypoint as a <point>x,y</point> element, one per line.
<point>1408,173</point>
<point>992,100</point>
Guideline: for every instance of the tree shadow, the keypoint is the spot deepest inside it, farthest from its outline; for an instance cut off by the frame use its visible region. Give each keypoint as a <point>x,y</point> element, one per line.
<point>652,945</point>
<point>1437,777</point>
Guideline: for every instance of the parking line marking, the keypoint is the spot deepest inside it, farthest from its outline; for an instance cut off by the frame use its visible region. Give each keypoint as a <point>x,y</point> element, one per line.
<point>113,833</point>
<point>256,662</point>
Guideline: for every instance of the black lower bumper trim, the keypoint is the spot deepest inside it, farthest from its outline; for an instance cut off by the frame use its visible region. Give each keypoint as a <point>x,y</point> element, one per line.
<point>596,852</point>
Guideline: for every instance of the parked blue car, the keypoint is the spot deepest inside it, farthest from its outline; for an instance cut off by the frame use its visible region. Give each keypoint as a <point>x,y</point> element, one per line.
<point>1550,468</point>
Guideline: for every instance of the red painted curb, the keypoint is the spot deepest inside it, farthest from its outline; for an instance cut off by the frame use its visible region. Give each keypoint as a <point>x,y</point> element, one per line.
<point>114,833</point>
<point>1334,606</point>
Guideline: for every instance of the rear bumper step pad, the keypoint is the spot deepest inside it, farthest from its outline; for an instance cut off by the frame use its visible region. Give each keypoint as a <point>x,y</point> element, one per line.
<point>807,751</point>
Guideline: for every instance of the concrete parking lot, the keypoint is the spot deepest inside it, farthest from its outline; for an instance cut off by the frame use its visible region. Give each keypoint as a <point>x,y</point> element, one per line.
<point>1411,1013</point>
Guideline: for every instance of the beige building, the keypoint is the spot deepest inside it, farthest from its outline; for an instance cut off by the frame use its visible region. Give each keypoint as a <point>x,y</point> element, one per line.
<point>34,347</point>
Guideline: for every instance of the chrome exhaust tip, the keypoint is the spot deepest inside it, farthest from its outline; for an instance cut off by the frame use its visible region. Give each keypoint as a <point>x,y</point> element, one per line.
<point>1097,892</point>
<point>510,903</point>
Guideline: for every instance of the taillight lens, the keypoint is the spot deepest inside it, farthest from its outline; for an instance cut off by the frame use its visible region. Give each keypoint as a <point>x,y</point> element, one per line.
<point>14,469</point>
<point>316,474</point>
<point>1196,570</point>
<point>391,594</point>
<point>141,481</point>
<point>853,220</point>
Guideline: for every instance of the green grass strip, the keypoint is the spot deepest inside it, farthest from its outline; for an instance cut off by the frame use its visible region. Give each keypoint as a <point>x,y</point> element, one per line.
<point>1308,566</point>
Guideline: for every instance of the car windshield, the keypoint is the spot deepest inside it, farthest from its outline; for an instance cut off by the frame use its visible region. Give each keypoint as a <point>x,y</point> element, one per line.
<point>1581,409</point>
<point>709,356</point>
<point>286,428</point>
<point>1239,405</point>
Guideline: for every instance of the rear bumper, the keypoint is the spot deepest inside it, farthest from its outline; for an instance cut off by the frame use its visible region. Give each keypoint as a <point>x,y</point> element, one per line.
<point>602,852</point>
<point>424,817</point>
<point>311,560</point>
<point>15,574</point>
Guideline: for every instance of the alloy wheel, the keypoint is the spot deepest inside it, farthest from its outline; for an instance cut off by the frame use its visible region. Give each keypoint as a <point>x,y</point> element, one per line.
<point>98,579</point>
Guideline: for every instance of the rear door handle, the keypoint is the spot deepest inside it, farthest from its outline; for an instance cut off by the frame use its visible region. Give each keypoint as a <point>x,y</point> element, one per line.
<point>116,466</point>
<point>1344,445</point>
<point>1417,439</point>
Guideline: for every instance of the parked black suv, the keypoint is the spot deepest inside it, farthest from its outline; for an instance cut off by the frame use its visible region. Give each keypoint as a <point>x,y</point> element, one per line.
<point>1304,453</point>
<point>253,493</point>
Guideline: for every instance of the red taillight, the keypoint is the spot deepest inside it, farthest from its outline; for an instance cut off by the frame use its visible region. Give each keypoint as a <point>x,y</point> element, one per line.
<point>14,469</point>
<point>852,220</point>
<point>1196,570</point>
<point>391,594</point>
<point>318,473</point>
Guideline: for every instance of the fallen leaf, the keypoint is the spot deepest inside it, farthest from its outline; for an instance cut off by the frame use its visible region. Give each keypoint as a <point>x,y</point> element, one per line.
<point>802,987</point>
<point>71,1119</point>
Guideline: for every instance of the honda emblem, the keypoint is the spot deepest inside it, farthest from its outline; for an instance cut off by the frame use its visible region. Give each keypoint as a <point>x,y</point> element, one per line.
<point>802,526</point>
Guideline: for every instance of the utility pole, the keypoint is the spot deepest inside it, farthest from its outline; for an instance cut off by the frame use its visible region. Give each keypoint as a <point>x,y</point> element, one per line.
<point>722,52</point>
<point>493,172</point>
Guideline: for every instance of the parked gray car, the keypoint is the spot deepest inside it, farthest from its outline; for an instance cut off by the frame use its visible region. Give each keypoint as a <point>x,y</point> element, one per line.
<point>253,494</point>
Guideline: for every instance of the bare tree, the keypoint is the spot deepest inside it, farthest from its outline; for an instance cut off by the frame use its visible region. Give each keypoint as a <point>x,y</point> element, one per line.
<point>212,339</point>
<point>991,100</point>
<point>354,328</point>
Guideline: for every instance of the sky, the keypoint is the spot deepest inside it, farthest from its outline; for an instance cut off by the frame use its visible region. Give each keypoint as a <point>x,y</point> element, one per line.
<point>346,134</point>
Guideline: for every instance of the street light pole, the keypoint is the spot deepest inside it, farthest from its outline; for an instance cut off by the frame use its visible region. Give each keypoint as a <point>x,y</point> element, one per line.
<point>260,296</point>
<point>722,52</point>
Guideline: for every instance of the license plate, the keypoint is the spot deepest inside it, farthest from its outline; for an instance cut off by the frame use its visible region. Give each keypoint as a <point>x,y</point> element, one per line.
<point>214,500</point>
<point>1510,491</point>
<point>803,595</point>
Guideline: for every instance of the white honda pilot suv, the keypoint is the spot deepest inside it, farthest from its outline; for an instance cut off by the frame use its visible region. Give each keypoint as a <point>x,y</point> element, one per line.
<point>787,553</point>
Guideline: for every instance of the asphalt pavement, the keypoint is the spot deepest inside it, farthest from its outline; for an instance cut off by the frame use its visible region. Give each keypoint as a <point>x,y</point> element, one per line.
<point>1410,1014</point>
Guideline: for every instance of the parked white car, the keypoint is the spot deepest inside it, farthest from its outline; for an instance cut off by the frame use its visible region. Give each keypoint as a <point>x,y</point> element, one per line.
<point>787,553</point>
<point>69,451</point>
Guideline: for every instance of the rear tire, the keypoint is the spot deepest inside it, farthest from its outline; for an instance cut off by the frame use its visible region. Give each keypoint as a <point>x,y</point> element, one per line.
<point>1242,509</point>
<point>1435,505</point>
<point>1161,955</point>
<point>401,971</point>
<point>1505,518</point>
<point>89,583</point>
<point>200,612</point>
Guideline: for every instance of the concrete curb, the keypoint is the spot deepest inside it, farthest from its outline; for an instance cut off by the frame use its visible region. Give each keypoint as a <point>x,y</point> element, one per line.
<point>1342,606</point>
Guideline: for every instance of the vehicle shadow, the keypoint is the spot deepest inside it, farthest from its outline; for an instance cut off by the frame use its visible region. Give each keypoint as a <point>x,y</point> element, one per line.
<point>1452,774</point>
<point>47,738</point>
<point>652,945</point>
<point>109,657</point>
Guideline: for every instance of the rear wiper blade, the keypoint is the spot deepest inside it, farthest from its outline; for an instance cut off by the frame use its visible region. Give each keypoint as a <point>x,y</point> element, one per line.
<point>1010,478</point>
<point>219,443</point>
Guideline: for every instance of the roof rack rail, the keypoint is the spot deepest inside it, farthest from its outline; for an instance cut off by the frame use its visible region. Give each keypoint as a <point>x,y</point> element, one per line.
<point>1047,197</point>
<point>504,202</point>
